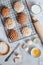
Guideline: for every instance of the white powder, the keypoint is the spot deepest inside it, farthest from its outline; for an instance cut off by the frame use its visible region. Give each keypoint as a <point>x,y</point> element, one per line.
<point>3,48</point>
<point>35,9</point>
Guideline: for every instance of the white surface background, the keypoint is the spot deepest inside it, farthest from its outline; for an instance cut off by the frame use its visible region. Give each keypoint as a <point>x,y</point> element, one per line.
<point>28,60</point>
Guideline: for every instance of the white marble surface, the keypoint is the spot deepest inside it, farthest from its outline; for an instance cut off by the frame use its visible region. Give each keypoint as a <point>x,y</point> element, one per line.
<point>28,60</point>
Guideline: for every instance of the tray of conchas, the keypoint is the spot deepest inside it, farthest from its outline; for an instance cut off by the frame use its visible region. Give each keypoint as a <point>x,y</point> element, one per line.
<point>16,20</point>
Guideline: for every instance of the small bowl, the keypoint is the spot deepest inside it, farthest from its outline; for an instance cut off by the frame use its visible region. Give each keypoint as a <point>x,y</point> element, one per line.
<point>37,12</point>
<point>37,52</point>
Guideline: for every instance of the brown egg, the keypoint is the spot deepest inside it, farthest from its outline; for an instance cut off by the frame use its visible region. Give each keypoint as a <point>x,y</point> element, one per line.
<point>22,18</point>
<point>5,11</point>
<point>13,35</point>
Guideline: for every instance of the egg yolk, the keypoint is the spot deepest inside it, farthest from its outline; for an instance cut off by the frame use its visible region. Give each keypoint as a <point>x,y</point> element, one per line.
<point>36,52</point>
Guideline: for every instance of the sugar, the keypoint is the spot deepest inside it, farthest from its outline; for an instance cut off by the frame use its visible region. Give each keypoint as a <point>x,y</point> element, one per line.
<point>35,9</point>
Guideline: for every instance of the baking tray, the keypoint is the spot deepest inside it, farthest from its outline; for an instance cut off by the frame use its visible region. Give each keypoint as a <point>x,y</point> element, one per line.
<point>13,14</point>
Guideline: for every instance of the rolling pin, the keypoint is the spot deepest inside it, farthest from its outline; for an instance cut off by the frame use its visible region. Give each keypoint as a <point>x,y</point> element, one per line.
<point>38,27</point>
